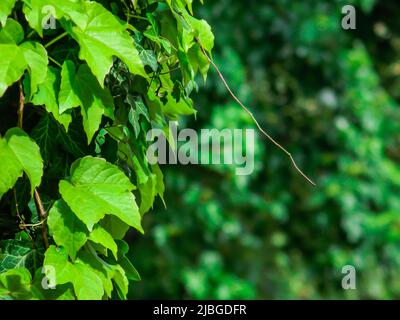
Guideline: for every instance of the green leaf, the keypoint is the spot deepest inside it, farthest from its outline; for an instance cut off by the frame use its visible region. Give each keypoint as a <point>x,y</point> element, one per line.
<point>148,193</point>
<point>75,141</point>
<point>18,154</point>
<point>16,254</point>
<point>38,11</point>
<point>36,57</point>
<point>6,7</point>
<point>160,188</point>
<point>149,58</point>
<point>106,272</point>
<point>102,37</point>
<point>67,230</point>
<point>153,36</point>
<point>16,59</point>
<point>114,226</point>
<point>97,188</point>
<point>12,66</point>
<point>82,89</point>
<point>87,284</point>
<point>137,108</point>
<point>198,61</point>
<point>101,236</point>
<point>91,260</point>
<point>12,33</point>
<point>202,31</point>
<point>121,280</point>
<point>124,262</point>
<point>172,107</point>
<point>59,292</point>
<point>16,284</point>
<point>47,96</point>
<point>45,133</point>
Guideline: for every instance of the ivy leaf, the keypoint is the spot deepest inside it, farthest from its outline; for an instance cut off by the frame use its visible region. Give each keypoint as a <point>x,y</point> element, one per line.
<point>16,284</point>
<point>45,133</point>
<point>16,254</point>
<point>152,187</point>
<point>11,33</point>
<point>36,13</point>
<point>160,187</point>
<point>36,57</point>
<point>16,59</point>
<point>18,154</point>
<point>102,37</point>
<point>202,31</point>
<point>6,7</point>
<point>172,107</point>
<point>101,236</point>
<point>67,230</point>
<point>106,272</point>
<point>124,262</point>
<point>97,188</point>
<point>75,141</point>
<point>155,37</point>
<point>12,66</point>
<point>137,108</point>
<point>198,61</point>
<point>121,281</point>
<point>87,284</point>
<point>149,59</point>
<point>82,89</point>
<point>47,96</point>
<point>148,193</point>
<point>91,260</point>
<point>114,226</point>
<point>60,292</point>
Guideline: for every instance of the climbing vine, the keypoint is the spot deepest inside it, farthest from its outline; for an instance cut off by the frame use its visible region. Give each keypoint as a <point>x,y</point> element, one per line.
<point>81,82</point>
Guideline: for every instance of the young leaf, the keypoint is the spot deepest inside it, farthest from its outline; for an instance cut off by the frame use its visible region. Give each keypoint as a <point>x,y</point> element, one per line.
<point>45,133</point>
<point>37,12</point>
<point>6,7</point>
<point>87,284</point>
<point>18,154</point>
<point>130,270</point>
<point>101,236</point>
<point>12,66</point>
<point>16,59</point>
<point>97,188</point>
<point>67,230</point>
<point>47,96</point>
<point>36,57</point>
<point>103,37</point>
<point>16,284</point>
<point>12,33</point>
<point>80,88</point>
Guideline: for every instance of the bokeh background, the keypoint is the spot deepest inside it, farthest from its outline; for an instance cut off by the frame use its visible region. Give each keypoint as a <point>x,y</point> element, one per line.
<point>331,97</point>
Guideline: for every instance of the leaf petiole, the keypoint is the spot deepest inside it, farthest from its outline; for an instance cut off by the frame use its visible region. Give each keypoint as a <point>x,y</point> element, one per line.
<point>56,39</point>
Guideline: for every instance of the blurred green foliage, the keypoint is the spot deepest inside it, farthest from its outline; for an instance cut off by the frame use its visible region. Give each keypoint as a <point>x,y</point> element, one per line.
<point>331,97</point>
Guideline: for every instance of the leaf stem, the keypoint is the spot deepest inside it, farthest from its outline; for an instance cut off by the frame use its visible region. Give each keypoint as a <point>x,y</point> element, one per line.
<point>43,216</point>
<point>32,225</point>
<point>30,34</point>
<point>135,16</point>
<point>56,39</point>
<point>55,61</point>
<point>21,106</point>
